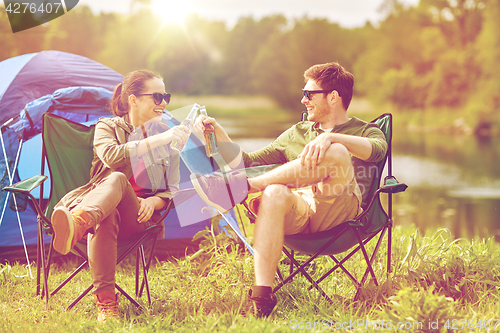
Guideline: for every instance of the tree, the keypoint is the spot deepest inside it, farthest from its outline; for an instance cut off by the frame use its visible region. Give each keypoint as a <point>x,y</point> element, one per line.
<point>459,20</point>
<point>486,101</point>
<point>191,58</point>
<point>245,41</point>
<point>6,37</point>
<point>79,33</point>
<point>280,63</point>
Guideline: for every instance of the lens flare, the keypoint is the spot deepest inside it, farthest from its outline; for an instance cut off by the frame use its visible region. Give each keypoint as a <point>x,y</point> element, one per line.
<point>171,12</point>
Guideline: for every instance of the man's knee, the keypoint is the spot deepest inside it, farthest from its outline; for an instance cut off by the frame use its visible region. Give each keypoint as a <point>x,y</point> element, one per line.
<point>276,196</point>
<point>337,161</point>
<point>337,153</point>
<point>340,169</point>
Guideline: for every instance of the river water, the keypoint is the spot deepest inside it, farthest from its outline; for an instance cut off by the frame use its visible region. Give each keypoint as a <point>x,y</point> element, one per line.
<point>454,181</point>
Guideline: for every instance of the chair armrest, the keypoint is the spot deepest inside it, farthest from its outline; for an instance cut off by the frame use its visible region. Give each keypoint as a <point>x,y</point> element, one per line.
<point>391,185</point>
<point>27,185</point>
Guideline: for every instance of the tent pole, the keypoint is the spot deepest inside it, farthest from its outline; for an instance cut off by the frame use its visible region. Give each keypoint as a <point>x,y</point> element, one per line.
<point>11,179</point>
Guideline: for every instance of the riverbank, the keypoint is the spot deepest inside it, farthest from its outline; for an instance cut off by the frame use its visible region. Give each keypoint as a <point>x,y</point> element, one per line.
<point>444,120</point>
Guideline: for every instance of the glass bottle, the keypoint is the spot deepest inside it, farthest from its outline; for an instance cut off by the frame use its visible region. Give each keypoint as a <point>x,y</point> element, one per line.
<point>188,122</point>
<point>209,134</point>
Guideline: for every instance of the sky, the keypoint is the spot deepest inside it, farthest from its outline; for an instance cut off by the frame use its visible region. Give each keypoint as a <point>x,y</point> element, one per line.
<point>347,13</point>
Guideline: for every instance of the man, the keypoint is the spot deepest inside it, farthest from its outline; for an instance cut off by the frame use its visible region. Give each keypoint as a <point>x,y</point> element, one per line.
<point>326,152</point>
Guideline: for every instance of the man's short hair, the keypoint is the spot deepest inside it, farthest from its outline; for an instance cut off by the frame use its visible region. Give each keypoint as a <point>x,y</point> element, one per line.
<point>332,76</point>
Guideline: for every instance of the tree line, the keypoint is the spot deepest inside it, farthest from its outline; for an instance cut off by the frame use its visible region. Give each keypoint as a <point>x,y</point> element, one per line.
<point>438,54</point>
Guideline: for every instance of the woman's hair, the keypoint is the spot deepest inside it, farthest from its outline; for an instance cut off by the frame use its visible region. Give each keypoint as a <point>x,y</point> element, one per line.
<point>133,84</point>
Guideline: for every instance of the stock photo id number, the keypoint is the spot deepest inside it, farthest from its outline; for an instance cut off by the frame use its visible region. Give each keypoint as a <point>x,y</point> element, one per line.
<point>25,14</point>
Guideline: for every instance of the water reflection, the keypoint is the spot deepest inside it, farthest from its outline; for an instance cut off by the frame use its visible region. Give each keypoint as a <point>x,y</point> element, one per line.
<point>454,182</point>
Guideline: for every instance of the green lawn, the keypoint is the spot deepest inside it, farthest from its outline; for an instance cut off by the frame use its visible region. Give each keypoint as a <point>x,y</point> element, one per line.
<point>435,281</point>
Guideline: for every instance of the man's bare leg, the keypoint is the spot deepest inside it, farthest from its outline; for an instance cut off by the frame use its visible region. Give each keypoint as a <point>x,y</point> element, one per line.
<point>335,171</point>
<point>276,200</point>
<point>333,174</point>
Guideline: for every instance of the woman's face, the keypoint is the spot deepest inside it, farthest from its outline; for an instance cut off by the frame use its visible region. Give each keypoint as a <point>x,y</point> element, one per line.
<point>145,106</point>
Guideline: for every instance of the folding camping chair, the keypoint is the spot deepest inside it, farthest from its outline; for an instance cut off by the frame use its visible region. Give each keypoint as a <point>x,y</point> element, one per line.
<point>68,150</point>
<point>357,232</point>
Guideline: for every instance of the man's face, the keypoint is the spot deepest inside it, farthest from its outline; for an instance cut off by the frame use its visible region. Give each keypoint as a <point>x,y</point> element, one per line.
<point>317,106</point>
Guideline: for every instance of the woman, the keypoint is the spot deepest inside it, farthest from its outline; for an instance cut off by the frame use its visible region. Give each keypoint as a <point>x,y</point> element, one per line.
<point>122,168</point>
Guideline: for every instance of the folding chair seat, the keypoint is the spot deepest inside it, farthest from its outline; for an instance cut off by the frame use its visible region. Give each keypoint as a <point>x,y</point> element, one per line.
<point>68,150</point>
<point>352,234</point>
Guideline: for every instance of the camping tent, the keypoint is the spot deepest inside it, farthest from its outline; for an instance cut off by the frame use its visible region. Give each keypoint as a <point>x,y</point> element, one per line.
<point>21,153</point>
<point>23,79</point>
<point>30,76</point>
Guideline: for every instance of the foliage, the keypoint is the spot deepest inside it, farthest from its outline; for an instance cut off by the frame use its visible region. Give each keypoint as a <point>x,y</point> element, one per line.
<point>215,243</point>
<point>438,54</point>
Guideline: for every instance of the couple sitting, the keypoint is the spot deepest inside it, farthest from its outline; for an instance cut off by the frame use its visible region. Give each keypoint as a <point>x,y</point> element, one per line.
<point>314,153</point>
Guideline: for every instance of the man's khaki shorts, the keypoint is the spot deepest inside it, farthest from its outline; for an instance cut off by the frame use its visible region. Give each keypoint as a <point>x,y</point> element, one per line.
<point>315,212</point>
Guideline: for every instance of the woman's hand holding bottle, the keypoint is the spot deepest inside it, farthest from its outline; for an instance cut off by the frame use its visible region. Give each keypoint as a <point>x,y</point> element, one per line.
<point>177,135</point>
<point>188,122</point>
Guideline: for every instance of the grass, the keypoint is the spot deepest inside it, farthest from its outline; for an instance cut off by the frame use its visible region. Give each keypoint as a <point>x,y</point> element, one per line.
<point>435,278</point>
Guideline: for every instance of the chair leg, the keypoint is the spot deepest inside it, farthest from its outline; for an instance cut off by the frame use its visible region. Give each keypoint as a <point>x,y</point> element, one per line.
<point>340,264</point>
<point>139,260</point>
<point>300,268</point>
<point>279,275</point>
<point>290,276</point>
<point>150,258</point>
<point>145,274</point>
<point>369,263</point>
<point>47,266</point>
<point>389,249</point>
<point>49,259</point>
<point>130,298</point>
<point>82,295</point>
<point>75,272</point>
<point>38,260</point>
<point>368,260</point>
<point>137,253</point>
<point>45,288</point>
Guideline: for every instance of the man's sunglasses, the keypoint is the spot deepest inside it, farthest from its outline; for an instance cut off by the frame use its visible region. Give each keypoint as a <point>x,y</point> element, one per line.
<point>308,93</point>
<point>158,97</point>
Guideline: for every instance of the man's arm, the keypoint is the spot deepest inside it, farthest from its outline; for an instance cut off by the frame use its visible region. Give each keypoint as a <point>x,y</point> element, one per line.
<point>314,151</point>
<point>229,150</point>
<point>369,146</point>
<point>356,145</point>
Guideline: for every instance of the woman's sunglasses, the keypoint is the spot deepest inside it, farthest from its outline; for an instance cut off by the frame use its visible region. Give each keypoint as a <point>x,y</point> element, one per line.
<point>158,97</point>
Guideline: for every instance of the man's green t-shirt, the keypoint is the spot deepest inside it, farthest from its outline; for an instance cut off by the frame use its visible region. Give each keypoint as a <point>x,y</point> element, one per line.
<point>288,146</point>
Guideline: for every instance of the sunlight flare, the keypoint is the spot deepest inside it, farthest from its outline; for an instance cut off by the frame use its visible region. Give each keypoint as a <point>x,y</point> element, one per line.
<point>171,12</point>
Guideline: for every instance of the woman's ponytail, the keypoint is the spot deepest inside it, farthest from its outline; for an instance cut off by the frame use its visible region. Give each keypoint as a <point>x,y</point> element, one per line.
<point>117,107</point>
<point>133,84</point>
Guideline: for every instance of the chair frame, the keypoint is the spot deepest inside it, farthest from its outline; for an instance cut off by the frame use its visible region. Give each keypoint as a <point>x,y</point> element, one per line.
<point>390,186</point>
<point>352,225</point>
<point>44,224</point>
